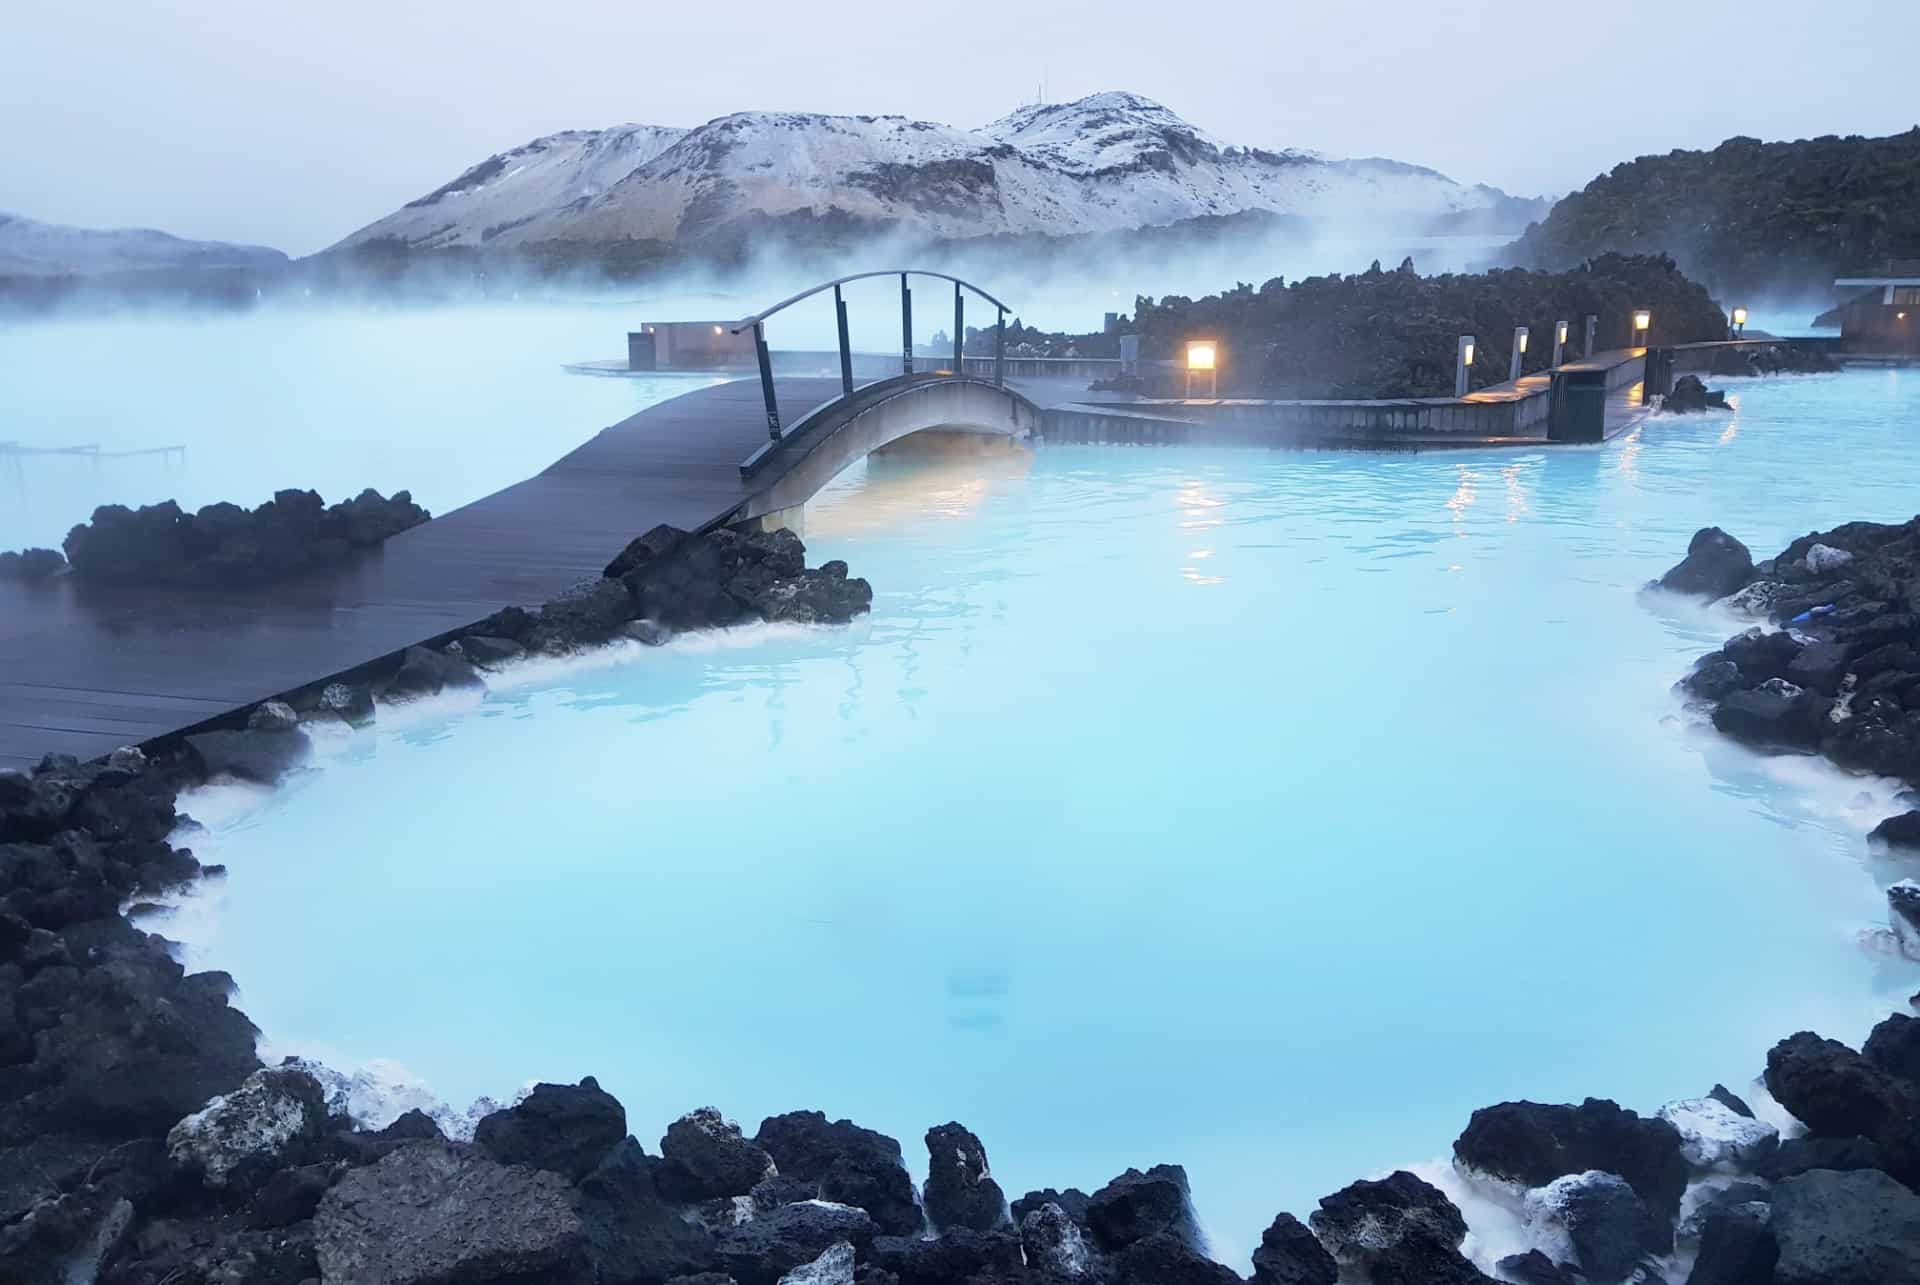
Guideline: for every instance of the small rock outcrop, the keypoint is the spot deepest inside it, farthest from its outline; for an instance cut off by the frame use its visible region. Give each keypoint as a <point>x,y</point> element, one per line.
<point>1715,566</point>
<point>1609,1226</point>
<point>32,564</point>
<point>259,1127</point>
<point>1532,1144</point>
<point>1290,1254</point>
<point>706,1157</point>
<point>1690,396</point>
<point>567,1128</point>
<point>224,544</point>
<point>961,1191</point>
<point>844,1163</point>
<point>1053,1243</point>
<point>1396,1231</point>
<point>1137,1205</point>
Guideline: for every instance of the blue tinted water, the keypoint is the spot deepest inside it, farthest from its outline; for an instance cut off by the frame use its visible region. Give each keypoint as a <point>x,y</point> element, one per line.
<point>1261,812</point>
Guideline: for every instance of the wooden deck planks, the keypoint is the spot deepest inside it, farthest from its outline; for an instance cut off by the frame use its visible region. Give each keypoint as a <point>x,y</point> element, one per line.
<point>85,670</point>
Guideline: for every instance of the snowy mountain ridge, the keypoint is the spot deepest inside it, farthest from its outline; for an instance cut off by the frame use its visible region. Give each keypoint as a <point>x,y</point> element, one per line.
<point>30,248</point>
<point>1109,162</point>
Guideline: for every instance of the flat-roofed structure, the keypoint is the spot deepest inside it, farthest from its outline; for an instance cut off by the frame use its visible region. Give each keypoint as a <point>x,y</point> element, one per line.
<point>688,345</point>
<point>1879,313</point>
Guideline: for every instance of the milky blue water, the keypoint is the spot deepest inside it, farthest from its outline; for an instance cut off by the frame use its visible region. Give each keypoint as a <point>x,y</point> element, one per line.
<point>1264,812</point>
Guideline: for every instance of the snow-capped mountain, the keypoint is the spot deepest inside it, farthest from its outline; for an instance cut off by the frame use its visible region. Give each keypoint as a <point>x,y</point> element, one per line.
<point>1105,163</point>
<point>30,248</point>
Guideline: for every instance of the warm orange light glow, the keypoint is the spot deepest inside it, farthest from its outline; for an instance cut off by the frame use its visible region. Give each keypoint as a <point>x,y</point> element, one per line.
<point>1560,333</point>
<point>1739,316</point>
<point>1200,354</point>
<point>1642,320</point>
<point>1467,356</point>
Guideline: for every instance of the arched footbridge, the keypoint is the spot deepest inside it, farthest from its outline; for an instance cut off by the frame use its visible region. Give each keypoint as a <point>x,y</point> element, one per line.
<point>86,672</point>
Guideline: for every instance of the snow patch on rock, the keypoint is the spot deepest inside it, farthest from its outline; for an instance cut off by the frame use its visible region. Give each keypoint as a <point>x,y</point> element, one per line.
<point>1713,1135</point>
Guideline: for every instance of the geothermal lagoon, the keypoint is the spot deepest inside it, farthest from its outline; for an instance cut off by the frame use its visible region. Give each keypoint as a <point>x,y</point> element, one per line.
<point>1264,812</point>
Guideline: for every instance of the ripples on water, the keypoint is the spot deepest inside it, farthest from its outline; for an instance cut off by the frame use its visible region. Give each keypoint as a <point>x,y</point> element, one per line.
<point>1265,812</point>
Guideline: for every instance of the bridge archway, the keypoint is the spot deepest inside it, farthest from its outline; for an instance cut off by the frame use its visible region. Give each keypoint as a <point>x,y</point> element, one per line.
<point>840,433</point>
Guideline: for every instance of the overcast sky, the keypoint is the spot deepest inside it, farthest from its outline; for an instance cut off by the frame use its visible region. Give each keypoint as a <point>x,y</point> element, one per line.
<point>293,124</point>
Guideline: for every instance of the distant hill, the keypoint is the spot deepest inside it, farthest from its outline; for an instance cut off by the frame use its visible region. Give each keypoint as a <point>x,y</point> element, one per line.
<point>1747,218</point>
<point>30,248</point>
<point>1112,163</point>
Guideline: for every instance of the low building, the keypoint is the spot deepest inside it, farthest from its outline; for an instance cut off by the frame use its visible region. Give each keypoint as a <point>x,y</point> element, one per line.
<point>689,345</point>
<point>1879,312</point>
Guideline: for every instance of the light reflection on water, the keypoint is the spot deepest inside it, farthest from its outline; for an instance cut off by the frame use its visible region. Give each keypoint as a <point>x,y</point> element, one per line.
<point>1278,880</point>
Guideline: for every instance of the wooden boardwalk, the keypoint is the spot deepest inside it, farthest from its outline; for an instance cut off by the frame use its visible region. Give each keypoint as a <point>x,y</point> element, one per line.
<point>84,670</point>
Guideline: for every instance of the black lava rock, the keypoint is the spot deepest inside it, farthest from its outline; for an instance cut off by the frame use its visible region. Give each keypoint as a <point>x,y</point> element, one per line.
<point>1715,566</point>
<point>32,564</point>
<point>1736,1247</point>
<point>1072,1200</point>
<point>567,1128</point>
<point>1732,1101</point>
<point>1532,1143</point>
<point>260,757</point>
<point>1691,396</point>
<point>957,1255</point>
<point>1535,1268</point>
<point>1166,1259</point>
<point>846,1164</point>
<point>634,1237</point>
<point>425,673</point>
<point>1610,1226</point>
<point>1838,1093</point>
<point>705,1157</point>
<point>760,1252</point>
<point>1798,1155</point>
<point>1398,1230</point>
<point>1902,831</point>
<point>1137,1205</point>
<point>961,1191</point>
<point>1894,1047</point>
<point>1290,1254</point>
<point>1853,1228</point>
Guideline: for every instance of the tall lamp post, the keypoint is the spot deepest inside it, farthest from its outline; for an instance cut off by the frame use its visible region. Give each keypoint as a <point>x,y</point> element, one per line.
<point>1519,350</point>
<point>1642,327</point>
<point>1203,355</point>
<point>1559,342</point>
<point>1739,322</point>
<point>1462,359</point>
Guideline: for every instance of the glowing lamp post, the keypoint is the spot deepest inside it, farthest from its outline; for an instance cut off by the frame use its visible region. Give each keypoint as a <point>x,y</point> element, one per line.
<point>1519,350</point>
<point>1642,327</point>
<point>1559,341</point>
<point>1203,355</point>
<point>1463,358</point>
<point>1739,321</point>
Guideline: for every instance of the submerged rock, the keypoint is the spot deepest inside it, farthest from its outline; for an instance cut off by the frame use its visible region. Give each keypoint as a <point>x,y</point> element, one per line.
<point>1899,831</point>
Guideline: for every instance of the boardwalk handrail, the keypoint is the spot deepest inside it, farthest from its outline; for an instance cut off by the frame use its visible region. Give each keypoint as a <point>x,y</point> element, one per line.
<point>758,324</point>
<point>759,317</point>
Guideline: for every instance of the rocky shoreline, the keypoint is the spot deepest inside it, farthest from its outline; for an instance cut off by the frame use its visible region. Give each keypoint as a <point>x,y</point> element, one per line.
<point>1838,675</point>
<point>220,545</point>
<point>142,1142</point>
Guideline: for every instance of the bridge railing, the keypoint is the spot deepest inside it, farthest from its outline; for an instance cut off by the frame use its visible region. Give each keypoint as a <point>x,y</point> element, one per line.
<point>757,324</point>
